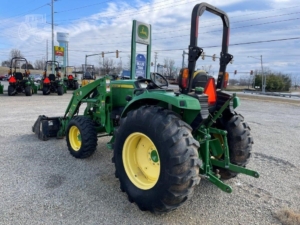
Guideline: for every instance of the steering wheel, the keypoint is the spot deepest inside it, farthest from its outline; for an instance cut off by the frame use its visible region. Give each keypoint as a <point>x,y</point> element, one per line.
<point>159,80</point>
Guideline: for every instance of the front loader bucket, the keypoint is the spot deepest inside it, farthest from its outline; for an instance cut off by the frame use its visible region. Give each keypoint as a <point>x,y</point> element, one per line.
<point>46,127</point>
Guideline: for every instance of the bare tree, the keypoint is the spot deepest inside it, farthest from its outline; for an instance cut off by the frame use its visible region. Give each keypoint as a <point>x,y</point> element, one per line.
<point>5,63</point>
<point>128,64</point>
<point>29,66</point>
<point>39,64</point>
<point>295,81</point>
<point>169,65</point>
<point>107,65</point>
<point>15,53</point>
<point>207,68</point>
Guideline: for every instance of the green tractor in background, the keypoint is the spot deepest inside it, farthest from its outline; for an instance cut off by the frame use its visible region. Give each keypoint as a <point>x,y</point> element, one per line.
<point>71,81</point>
<point>52,83</point>
<point>20,82</point>
<point>163,141</point>
<point>1,88</point>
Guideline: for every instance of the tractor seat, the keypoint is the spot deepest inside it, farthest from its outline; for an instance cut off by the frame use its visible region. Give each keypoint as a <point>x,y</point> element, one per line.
<point>51,77</point>
<point>88,76</point>
<point>19,76</point>
<point>200,79</point>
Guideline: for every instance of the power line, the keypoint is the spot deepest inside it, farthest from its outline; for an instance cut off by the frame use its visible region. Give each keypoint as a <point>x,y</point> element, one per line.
<point>251,25</point>
<point>82,7</point>
<point>214,46</point>
<point>5,20</point>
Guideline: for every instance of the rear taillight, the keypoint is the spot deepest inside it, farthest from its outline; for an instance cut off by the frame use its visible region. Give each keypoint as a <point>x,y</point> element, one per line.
<point>210,90</point>
<point>226,79</point>
<point>46,80</point>
<point>185,78</point>
<point>12,79</point>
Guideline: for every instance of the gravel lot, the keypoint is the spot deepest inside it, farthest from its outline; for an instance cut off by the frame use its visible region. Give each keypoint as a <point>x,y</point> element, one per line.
<point>41,183</point>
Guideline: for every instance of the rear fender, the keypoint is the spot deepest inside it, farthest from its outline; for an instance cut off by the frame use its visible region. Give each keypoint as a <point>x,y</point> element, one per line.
<point>185,106</point>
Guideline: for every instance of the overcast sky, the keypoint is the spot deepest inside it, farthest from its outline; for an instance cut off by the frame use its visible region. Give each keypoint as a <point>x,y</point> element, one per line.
<point>270,28</point>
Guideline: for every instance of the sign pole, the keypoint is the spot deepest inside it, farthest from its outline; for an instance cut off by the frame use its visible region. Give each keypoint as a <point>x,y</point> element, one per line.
<point>133,51</point>
<point>141,33</point>
<point>149,55</point>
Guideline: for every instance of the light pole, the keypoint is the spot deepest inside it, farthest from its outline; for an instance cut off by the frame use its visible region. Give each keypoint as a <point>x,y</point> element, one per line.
<point>52,29</point>
<point>183,53</point>
<point>263,81</point>
<point>155,57</point>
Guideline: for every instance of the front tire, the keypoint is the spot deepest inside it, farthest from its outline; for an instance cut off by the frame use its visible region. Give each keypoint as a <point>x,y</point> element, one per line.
<point>156,159</point>
<point>28,91</point>
<point>239,142</point>
<point>81,137</point>
<point>60,90</point>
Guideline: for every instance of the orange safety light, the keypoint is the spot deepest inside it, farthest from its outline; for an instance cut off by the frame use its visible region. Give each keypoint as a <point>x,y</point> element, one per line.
<point>70,77</point>
<point>46,80</point>
<point>185,76</point>
<point>210,90</point>
<point>12,79</point>
<point>226,79</point>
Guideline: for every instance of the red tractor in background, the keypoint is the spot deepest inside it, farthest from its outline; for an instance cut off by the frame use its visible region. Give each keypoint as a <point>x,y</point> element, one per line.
<point>20,82</point>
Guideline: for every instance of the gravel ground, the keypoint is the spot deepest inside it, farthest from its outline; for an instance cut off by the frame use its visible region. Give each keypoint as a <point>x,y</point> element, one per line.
<point>41,183</point>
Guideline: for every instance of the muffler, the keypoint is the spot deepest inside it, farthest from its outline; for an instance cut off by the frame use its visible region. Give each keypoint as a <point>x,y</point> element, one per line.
<point>46,127</point>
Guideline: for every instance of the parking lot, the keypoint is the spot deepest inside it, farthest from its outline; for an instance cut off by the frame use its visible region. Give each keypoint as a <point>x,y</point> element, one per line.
<point>41,183</point>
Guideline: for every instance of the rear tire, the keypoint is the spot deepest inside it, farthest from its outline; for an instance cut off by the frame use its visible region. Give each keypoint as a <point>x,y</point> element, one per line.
<point>28,91</point>
<point>46,90</point>
<point>10,90</point>
<point>81,137</point>
<point>239,142</point>
<point>60,90</point>
<point>157,163</point>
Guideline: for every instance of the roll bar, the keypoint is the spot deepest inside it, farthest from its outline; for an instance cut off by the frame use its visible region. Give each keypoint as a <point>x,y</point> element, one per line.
<point>195,51</point>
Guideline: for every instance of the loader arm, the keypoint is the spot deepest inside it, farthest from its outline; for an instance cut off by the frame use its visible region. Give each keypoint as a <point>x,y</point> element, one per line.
<point>82,95</point>
<point>78,96</point>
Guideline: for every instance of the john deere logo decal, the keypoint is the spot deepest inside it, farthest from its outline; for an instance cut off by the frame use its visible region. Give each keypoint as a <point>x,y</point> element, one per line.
<point>143,32</point>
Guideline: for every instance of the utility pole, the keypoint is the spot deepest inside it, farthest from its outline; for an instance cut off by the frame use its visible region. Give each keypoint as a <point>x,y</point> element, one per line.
<point>155,57</point>
<point>263,81</point>
<point>52,27</point>
<point>67,44</point>
<point>47,50</point>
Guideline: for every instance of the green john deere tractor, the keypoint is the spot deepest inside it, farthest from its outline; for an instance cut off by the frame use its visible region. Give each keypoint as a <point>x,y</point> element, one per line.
<point>20,82</point>
<point>163,141</point>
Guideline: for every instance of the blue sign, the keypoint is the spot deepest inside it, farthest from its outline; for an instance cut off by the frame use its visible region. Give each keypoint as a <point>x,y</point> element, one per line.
<point>140,65</point>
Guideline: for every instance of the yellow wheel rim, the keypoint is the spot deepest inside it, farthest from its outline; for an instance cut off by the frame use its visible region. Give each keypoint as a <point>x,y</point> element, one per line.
<point>141,161</point>
<point>75,138</point>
